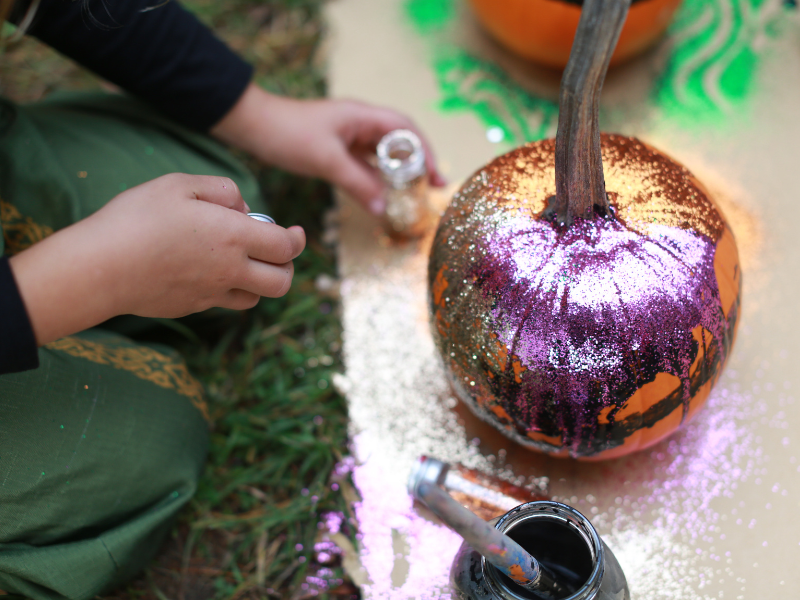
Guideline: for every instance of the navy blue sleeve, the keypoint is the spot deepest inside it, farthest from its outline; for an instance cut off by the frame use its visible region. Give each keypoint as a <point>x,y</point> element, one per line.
<point>153,49</point>
<point>18,351</point>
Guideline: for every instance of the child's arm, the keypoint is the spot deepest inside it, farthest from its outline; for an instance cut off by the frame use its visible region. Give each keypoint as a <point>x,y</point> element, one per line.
<point>165,56</point>
<point>157,51</point>
<point>318,138</point>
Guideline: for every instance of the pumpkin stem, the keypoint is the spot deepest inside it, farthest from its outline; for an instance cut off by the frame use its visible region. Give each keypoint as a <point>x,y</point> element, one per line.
<point>580,186</point>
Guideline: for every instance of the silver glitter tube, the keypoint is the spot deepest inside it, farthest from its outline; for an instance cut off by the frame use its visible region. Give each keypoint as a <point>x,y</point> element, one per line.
<point>401,160</point>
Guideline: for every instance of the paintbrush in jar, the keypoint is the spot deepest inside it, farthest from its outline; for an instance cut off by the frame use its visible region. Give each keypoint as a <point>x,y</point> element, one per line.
<point>497,548</point>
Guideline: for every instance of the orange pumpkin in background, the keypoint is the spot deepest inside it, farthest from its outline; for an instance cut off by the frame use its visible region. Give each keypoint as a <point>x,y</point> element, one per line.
<point>543,30</point>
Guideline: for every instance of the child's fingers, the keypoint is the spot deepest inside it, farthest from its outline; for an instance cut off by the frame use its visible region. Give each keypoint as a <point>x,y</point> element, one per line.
<point>375,122</point>
<point>389,122</point>
<point>436,179</point>
<point>239,300</point>
<point>361,182</point>
<point>265,279</point>
<point>217,190</point>
<point>271,243</point>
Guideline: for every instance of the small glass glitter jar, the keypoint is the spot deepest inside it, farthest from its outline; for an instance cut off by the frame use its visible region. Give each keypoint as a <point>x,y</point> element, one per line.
<point>561,538</point>
<point>401,160</point>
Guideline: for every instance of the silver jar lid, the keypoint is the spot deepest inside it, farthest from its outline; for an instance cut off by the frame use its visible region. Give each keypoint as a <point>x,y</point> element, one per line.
<point>261,217</point>
<point>400,156</point>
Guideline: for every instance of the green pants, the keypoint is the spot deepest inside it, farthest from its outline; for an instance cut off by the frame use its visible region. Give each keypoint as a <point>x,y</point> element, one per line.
<point>103,444</point>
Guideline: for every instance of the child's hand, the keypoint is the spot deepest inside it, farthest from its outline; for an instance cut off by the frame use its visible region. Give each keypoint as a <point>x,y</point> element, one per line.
<point>170,247</point>
<point>319,138</point>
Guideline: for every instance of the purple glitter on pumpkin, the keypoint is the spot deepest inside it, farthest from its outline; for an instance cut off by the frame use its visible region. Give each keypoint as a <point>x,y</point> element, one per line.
<point>584,305</point>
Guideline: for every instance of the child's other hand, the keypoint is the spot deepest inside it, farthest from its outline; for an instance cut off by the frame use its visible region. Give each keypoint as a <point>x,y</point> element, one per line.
<point>172,246</point>
<point>319,138</point>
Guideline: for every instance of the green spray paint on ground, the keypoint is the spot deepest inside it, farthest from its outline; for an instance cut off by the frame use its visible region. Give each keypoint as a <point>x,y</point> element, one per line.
<point>709,77</point>
<point>470,83</point>
<point>430,15</point>
<point>713,67</point>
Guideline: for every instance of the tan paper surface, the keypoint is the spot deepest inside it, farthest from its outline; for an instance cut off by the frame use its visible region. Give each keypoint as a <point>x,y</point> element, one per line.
<point>710,512</point>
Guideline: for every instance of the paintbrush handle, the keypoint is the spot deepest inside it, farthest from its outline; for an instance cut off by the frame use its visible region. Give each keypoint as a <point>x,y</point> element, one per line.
<point>498,549</point>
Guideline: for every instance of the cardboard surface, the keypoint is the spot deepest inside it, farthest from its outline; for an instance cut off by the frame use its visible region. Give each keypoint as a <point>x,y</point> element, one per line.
<point>710,512</point>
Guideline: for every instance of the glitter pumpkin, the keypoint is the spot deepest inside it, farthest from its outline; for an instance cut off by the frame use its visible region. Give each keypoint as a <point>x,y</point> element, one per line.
<point>593,339</point>
<point>543,30</point>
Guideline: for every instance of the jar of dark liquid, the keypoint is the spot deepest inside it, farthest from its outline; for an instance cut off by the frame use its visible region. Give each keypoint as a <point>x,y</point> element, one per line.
<point>559,537</point>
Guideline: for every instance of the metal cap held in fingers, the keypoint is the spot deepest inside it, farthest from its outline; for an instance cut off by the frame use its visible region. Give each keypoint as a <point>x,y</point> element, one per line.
<point>428,470</point>
<point>260,217</point>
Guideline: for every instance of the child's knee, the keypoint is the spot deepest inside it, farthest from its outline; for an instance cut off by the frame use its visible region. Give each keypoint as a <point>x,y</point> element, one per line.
<point>104,443</point>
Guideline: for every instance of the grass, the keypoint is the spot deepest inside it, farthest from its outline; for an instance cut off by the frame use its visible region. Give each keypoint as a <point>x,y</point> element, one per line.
<point>279,425</point>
